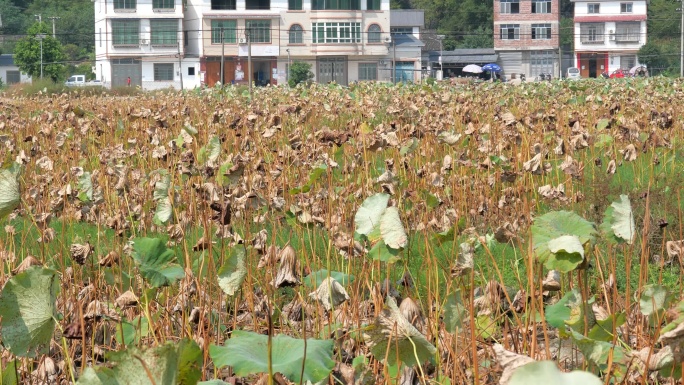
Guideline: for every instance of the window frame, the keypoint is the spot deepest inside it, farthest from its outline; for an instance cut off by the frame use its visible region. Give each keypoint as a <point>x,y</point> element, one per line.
<point>157,68</point>
<point>541,31</point>
<point>259,34</point>
<point>514,28</point>
<point>295,5</point>
<point>295,34</point>
<point>336,32</point>
<point>373,5</point>
<point>627,32</point>
<point>509,7</point>
<point>364,69</point>
<point>633,59</point>
<point>375,36</point>
<point>165,40</point>
<point>335,5</point>
<point>124,40</point>
<point>624,6</point>
<point>164,5</point>
<point>593,8</point>
<point>125,5</point>
<point>230,5</point>
<point>545,6</point>
<point>592,33</point>
<point>230,37</point>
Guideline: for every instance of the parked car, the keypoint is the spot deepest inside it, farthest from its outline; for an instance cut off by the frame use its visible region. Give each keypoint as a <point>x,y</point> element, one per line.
<point>94,82</point>
<point>619,74</point>
<point>573,73</point>
<point>76,80</point>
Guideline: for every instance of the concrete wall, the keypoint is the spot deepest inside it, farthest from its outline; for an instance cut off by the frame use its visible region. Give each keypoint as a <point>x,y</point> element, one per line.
<point>23,78</point>
<point>526,18</point>
<point>606,44</point>
<point>609,8</point>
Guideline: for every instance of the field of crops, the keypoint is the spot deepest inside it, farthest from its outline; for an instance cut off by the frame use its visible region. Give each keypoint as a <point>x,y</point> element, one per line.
<point>414,234</point>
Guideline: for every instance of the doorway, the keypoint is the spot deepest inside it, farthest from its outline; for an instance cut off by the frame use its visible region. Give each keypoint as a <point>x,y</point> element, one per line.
<point>592,64</point>
<point>332,69</point>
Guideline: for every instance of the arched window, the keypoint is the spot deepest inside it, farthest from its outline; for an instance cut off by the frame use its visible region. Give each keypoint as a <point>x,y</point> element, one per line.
<point>374,33</point>
<point>296,33</point>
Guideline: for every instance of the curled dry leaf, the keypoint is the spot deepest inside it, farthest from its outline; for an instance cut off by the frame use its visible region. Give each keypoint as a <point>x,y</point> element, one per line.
<point>655,361</point>
<point>675,249</point>
<point>80,253</point>
<point>552,281</point>
<point>288,272</point>
<point>509,362</point>
<point>330,293</point>
<point>629,153</point>
<point>410,310</point>
<point>464,262</point>
<point>127,299</point>
<point>110,259</point>
<point>25,264</point>
<point>610,170</point>
<point>48,235</point>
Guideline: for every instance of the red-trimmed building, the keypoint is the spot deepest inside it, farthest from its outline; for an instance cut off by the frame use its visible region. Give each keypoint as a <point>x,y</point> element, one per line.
<point>608,35</point>
<point>526,37</point>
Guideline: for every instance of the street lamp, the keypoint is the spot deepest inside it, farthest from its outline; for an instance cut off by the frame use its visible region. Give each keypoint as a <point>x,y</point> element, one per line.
<point>441,51</point>
<point>289,64</point>
<point>40,37</point>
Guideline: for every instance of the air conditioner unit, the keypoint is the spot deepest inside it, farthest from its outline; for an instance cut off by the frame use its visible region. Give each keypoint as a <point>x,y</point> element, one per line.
<point>611,37</point>
<point>242,40</point>
<point>388,39</point>
<point>383,62</point>
<point>143,41</point>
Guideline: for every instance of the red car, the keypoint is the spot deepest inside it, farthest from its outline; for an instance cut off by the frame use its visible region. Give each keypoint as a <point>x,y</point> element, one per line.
<point>619,74</point>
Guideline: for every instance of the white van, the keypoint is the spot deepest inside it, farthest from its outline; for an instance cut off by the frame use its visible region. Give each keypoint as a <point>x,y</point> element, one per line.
<point>573,73</point>
<point>76,80</point>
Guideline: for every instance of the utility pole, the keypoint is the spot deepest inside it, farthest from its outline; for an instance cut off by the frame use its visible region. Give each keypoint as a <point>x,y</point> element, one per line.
<point>394,61</point>
<point>53,19</point>
<point>681,43</point>
<point>40,37</point>
<point>441,52</point>
<point>40,18</point>
<point>223,55</point>
<point>289,64</point>
<point>249,59</point>
<point>180,65</point>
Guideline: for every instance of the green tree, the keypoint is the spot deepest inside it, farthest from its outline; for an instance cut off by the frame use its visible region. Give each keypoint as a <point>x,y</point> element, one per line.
<point>482,37</point>
<point>652,55</point>
<point>77,20</point>
<point>28,58</point>
<point>300,72</point>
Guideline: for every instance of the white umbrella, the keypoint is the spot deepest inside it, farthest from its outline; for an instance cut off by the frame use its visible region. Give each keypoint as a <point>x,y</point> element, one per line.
<point>473,68</point>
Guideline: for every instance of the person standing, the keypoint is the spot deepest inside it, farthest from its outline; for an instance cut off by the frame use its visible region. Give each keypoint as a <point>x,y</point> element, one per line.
<point>128,81</point>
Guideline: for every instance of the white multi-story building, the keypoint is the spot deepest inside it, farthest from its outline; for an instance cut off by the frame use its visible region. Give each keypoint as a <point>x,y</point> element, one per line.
<point>608,35</point>
<point>159,43</point>
<point>141,43</point>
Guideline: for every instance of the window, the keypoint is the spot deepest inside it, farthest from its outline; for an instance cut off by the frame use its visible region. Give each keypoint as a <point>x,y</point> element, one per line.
<point>13,77</point>
<point>401,31</point>
<point>593,8</point>
<point>125,32</point>
<point>510,32</point>
<point>591,32</point>
<point>336,32</point>
<point>164,32</point>
<point>259,30</point>
<point>257,4</point>
<point>191,71</point>
<point>625,7</point>
<point>541,6</point>
<point>124,4</point>
<point>541,31</point>
<point>374,33</point>
<point>229,31</point>
<point>163,4</point>
<point>348,5</point>
<point>222,4</point>
<point>627,62</point>
<point>186,36</point>
<point>373,5</point>
<point>510,6</point>
<point>163,71</point>
<point>296,34</point>
<point>541,62</point>
<point>627,32</point>
<point>294,5</point>
<point>368,71</point>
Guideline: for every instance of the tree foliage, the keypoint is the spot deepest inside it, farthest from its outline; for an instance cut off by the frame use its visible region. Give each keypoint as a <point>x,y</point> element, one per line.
<point>27,54</point>
<point>300,72</point>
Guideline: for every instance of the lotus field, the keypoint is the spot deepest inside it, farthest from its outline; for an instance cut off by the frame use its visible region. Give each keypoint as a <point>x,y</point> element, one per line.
<point>372,234</point>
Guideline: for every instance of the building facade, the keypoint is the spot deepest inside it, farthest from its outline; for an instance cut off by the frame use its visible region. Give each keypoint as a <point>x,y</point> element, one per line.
<point>526,37</point>
<point>163,43</point>
<point>406,46</point>
<point>10,73</point>
<point>141,43</point>
<point>608,35</point>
